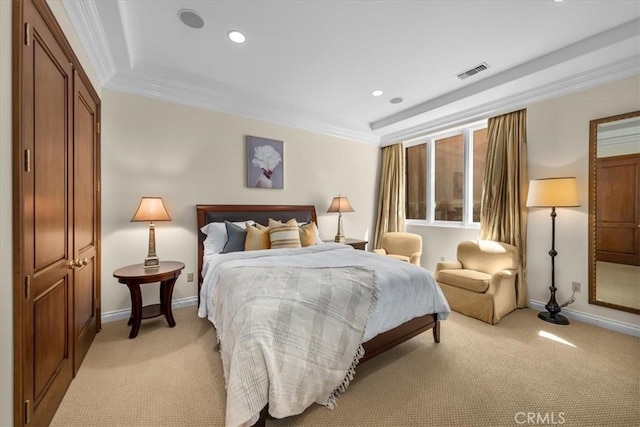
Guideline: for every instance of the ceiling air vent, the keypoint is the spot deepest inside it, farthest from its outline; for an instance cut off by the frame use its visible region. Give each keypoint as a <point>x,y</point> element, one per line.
<point>473,71</point>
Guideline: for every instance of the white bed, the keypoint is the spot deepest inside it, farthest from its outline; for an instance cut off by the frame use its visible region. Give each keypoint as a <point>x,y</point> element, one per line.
<point>404,290</point>
<point>347,306</point>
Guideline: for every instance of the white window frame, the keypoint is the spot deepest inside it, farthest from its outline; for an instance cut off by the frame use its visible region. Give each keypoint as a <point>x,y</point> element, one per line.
<point>467,209</point>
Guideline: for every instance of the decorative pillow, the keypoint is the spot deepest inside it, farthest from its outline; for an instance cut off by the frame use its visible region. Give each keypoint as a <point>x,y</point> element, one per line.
<point>236,237</point>
<point>217,236</point>
<point>308,234</point>
<point>284,235</point>
<point>257,237</point>
<point>318,240</point>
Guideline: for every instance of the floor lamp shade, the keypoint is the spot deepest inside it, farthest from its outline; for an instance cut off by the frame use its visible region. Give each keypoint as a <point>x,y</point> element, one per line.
<point>553,193</point>
<point>340,204</point>
<point>151,209</point>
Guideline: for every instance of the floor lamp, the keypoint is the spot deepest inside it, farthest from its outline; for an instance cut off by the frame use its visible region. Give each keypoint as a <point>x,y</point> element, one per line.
<point>553,193</point>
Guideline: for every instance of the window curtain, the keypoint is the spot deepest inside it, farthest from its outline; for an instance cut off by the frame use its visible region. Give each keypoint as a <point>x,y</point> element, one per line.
<point>391,195</point>
<point>503,216</point>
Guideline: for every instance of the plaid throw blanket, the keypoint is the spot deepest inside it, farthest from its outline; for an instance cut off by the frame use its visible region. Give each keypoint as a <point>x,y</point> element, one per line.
<point>289,336</point>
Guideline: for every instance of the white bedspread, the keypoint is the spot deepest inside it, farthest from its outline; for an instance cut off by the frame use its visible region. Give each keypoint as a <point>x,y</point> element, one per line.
<point>405,291</point>
<point>289,336</point>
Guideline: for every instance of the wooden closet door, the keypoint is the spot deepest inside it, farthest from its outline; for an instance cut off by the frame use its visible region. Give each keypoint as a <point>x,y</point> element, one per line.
<point>47,238</point>
<point>618,209</point>
<point>85,220</point>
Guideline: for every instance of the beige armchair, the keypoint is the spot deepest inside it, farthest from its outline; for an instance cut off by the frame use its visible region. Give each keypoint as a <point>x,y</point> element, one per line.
<point>481,283</point>
<point>403,246</point>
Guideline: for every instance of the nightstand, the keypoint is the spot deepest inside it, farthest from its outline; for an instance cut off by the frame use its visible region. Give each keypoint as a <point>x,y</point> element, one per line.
<point>135,275</point>
<point>357,244</point>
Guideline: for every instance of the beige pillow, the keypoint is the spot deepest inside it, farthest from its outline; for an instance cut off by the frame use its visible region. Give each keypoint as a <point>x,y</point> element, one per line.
<point>257,237</point>
<point>308,234</point>
<point>284,235</point>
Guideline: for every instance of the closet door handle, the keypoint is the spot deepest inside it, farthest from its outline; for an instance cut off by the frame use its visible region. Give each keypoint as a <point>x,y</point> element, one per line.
<point>71,264</point>
<point>85,261</point>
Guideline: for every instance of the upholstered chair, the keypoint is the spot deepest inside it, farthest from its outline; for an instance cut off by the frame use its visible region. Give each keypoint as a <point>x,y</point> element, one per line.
<point>402,246</point>
<point>482,282</point>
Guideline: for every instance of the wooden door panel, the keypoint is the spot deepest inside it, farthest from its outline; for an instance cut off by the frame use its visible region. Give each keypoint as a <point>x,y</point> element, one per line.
<point>84,184</point>
<point>616,245</point>
<point>616,191</point>
<point>84,301</point>
<point>50,139</point>
<point>50,329</point>
<point>50,312</point>
<point>618,209</point>
<point>85,220</point>
<point>621,240</point>
<point>46,363</point>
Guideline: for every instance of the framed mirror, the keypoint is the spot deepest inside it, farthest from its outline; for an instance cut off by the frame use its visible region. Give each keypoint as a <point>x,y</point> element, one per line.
<point>614,212</point>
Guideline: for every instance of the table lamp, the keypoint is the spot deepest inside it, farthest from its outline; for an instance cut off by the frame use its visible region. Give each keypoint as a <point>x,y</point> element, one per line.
<point>151,209</point>
<point>553,193</point>
<point>340,204</point>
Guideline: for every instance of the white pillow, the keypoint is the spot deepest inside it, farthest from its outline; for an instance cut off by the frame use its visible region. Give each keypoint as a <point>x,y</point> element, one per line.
<point>318,239</point>
<point>217,236</point>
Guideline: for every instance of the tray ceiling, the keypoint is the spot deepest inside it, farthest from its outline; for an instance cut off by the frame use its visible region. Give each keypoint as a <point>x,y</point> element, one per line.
<point>314,64</point>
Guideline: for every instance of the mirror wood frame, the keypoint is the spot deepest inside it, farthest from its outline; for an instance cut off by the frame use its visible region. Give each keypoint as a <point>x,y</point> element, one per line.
<point>593,153</point>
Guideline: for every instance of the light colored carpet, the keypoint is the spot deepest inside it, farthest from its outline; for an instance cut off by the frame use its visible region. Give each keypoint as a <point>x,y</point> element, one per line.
<point>479,375</point>
<point>618,284</point>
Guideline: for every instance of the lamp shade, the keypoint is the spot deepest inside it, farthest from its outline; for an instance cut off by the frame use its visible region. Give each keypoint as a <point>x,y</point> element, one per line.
<point>553,193</point>
<point>151,209</point>
<point>340,204</point>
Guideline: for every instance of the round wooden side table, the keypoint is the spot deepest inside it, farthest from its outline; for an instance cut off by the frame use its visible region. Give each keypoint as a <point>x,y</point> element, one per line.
<point>135,275</point>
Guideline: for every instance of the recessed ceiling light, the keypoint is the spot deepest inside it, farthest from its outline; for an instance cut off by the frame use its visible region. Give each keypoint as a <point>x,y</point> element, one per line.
<point>396,100</point>
<point>236,36</point>
<point>190,18</point>
<point>377,92</point>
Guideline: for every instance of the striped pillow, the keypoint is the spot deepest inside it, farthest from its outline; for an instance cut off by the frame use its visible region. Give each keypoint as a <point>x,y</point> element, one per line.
<point>284,235</point>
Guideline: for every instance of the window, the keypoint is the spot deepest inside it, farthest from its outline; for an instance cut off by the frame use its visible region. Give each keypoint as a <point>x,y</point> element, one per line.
<point>416,182</point>
<point>444,176</point>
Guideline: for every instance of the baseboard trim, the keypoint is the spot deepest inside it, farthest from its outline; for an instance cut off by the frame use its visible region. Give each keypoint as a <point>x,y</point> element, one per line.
<point>112,316</point>
<point>592,319</point>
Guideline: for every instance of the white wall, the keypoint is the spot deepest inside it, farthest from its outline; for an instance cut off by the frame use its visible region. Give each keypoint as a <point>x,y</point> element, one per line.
<point>6,252</point>
<point>558,145</point>
<point>193,156</point>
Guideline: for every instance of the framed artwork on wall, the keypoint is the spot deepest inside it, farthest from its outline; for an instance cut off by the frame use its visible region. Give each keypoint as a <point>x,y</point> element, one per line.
<point>265,163</point>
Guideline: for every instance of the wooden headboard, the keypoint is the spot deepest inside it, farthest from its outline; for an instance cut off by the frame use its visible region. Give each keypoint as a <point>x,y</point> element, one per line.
<point>258,213</point>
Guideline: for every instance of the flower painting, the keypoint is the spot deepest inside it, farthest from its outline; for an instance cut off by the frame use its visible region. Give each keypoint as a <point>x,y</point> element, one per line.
<point>265,163</point>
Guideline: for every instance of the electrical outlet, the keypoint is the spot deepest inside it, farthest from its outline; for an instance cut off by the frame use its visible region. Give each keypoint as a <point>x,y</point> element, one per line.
<point>189,277</point>
<point>575,286</point>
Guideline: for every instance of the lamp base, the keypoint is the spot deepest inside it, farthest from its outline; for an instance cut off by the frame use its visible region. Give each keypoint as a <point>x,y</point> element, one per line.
<point>558,319</point>
<point>151,262</point>
<point>340,238</point>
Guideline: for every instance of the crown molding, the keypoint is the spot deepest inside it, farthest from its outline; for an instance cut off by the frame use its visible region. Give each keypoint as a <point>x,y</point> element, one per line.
<point>86,21</point>
<point>618,70</point>
<point>217,100</point>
